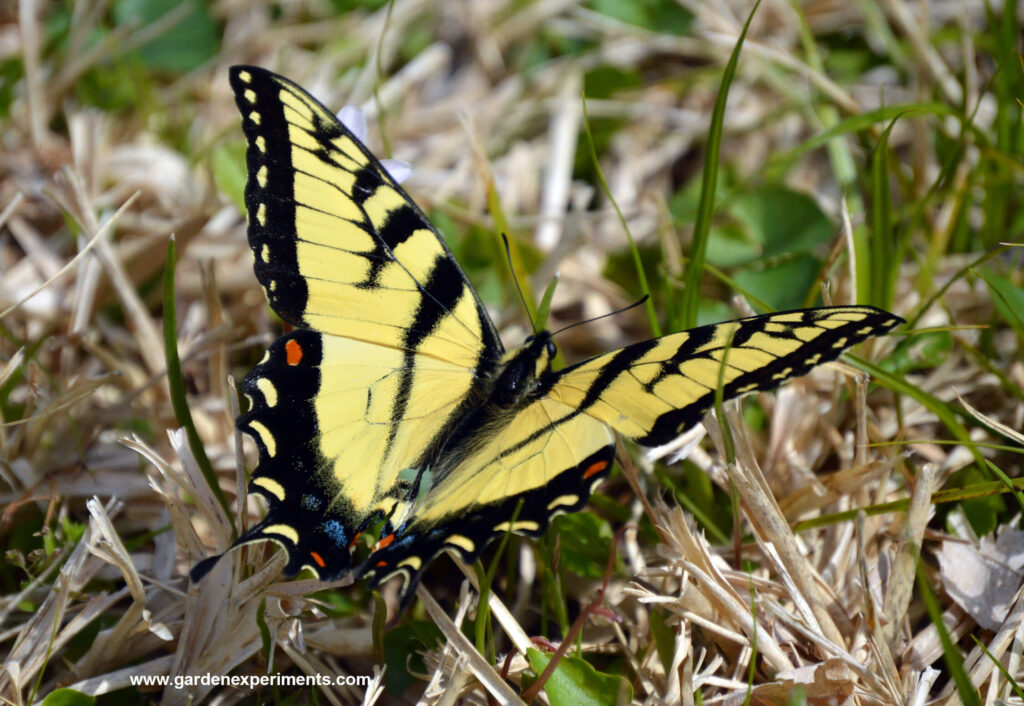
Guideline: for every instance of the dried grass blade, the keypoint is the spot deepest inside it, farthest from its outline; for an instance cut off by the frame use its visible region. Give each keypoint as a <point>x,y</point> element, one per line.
<point>100,233</point>
<point>483,671</point>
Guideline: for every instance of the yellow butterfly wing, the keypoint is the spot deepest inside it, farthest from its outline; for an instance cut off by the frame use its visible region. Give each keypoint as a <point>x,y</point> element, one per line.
<point>391,338</point>
<point>543,460</point>
<point>655,390</point>
<point>548,457</point>
<point>339,247</point>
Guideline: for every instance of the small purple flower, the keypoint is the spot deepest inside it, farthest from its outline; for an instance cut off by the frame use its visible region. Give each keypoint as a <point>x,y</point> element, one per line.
<point>354,119</point>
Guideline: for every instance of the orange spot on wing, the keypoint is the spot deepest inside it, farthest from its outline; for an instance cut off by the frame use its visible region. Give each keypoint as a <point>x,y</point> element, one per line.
<point>318,559</point>
<point>293,352</point>
<point>354,540</point>
<point>382,563</point>
<point>384,542</point>
<point>595,468</point>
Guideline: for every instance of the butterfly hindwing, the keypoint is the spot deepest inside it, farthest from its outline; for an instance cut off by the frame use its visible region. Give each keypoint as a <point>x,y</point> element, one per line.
<point>331,450</point>
<point>545,460</point>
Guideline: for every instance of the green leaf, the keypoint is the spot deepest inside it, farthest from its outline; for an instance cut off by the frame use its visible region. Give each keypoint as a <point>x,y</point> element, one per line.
<point>922,352</point>
<point>730,245</point>
<point>402,648</point>
<point>782,220</point>
<point>11,71</point>
<point>981,511</point>
<point>73,531</point>
<point>586,542</point>
<point>662,16</point>
<point>714,312</point>
<point>68,697</point>
<point>575,681</point>
<point>633,13</point>
<point>605,81</point>
<point>784,285</point>
<point>664,639</point>
<point>185,45</point>
<point>343,7</point>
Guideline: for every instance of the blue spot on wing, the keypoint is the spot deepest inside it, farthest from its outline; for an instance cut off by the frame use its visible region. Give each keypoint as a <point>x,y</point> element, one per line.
<point>336,531</point>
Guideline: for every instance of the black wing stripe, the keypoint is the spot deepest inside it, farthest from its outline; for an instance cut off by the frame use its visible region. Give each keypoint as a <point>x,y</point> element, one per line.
<point>401,224</point>
<point>445,290</point>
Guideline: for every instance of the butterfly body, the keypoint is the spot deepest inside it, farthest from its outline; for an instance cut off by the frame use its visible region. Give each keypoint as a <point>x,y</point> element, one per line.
<point>393,405</point>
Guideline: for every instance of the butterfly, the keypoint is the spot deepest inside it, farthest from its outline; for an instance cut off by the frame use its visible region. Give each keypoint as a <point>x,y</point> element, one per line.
<point>393,403</point>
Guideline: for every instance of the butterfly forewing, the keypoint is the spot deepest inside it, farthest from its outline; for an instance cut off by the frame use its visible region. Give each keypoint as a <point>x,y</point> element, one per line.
<point>656,390</point>
<point>339,247</point>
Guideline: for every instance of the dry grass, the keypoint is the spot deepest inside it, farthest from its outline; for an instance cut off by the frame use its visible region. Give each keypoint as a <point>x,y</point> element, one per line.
<point>104,508</point>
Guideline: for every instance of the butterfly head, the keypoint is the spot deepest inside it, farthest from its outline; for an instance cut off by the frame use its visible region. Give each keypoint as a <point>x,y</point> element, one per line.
<point>523,368</point>
<point>541,349</point>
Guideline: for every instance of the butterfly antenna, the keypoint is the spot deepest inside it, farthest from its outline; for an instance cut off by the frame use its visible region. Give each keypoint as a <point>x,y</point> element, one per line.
<point>508,255</point>
<point>624,309</point>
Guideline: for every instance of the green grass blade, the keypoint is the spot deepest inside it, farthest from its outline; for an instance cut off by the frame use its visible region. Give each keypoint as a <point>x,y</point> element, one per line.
<point>1007,297</point>
<point>875,280</point>
<point>950,653</point>
<point>379,626</point>
<point>939,408</point>
<point>1001,193</point>
<point>843,164</point>
<point>960,274</point>
<point>706,205</point>
<point>998,665</point>
<point>176,383</point>
<point>545,304</point>
<point>517,268</point>
<point>486,579</point>
<point>940,497</point>
<point>856,123</point>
